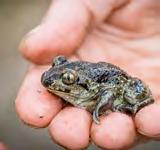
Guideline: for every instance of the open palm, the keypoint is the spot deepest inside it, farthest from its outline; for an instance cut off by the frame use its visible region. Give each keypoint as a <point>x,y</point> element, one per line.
<point>125,33</point>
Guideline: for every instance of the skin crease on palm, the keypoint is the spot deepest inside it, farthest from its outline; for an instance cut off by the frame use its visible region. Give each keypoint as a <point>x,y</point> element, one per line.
<point>123,32</point>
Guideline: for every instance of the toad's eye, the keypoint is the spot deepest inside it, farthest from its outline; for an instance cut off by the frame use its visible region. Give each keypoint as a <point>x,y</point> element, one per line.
<point>68,78</point>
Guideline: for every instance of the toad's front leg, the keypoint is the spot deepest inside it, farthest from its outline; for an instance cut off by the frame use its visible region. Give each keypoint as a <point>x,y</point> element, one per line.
<point>104,99</point>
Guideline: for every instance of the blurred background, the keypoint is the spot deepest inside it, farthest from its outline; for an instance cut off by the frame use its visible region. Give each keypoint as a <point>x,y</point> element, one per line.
<point>17,17</point>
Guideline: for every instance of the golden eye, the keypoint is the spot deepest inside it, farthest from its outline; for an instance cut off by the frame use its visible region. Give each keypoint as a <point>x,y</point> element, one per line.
<point>68,78</point>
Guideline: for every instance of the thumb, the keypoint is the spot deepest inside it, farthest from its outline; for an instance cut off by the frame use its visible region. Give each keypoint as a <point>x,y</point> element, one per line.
<point>64,28</point>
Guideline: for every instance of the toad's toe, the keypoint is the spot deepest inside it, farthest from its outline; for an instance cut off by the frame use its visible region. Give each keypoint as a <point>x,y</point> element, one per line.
<point>96,117</point>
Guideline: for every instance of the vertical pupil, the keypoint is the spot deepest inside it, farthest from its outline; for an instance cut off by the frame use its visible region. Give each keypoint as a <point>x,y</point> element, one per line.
<point>68,77</point>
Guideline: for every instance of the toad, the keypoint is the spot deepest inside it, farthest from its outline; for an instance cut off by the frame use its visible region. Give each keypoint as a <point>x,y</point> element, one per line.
<point>96,87</point>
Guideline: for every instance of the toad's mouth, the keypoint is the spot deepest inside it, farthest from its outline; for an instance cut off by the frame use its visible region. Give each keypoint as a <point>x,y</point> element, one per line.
<point>57,89</point>
<point>67,92</point>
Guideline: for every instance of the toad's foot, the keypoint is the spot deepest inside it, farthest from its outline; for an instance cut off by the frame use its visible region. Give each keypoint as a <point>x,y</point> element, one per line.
<point>124,107</point>
<point>137,106</point>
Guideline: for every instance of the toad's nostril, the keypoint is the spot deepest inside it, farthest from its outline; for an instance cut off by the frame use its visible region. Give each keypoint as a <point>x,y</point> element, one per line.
<point>44,80</point>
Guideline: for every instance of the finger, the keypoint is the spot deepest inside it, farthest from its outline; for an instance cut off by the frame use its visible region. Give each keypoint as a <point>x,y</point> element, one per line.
<point>71,127</point>
<point>61,32</point>
<point>116,131</point>
<point>35,106</point>
<point>149,10</point>
<point>148,121</point>
<point>2,146</point>
<point>64,28</point>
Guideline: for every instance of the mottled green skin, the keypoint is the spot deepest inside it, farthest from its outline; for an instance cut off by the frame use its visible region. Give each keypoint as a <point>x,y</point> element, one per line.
<point>96,87</point>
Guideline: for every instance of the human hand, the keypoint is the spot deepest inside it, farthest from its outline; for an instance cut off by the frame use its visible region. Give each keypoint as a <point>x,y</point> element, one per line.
<point>2,146</point>
<point>125,33</point>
